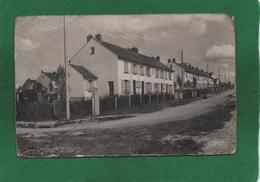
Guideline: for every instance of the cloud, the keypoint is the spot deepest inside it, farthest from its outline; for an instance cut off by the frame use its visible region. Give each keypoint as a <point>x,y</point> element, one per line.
<point>224,51</point>
<point>194,24</point>
<point>25,44</point>
<point>46,68</point>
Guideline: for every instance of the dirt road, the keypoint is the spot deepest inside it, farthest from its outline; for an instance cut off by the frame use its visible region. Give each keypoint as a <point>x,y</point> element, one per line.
<point>202,127</point>
<point>169,114</point>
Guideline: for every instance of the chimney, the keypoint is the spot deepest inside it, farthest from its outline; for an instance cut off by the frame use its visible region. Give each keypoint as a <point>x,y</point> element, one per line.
<point>134,49</point>
<point>157,58</point>
<point>197,68</point>
<point>173,60</point>
<point>169,61</point>
<point>89,37</point>
<point>98,36</point>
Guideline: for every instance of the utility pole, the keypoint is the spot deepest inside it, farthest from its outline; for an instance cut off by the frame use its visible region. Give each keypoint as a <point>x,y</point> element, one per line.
<point>218,73</point>
<point>218,81</point>
<point>182,74</point>
<point>207,75</point>
<point>66,72</point>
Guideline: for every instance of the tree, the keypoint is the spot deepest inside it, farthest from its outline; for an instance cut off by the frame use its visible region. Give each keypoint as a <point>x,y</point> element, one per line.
<point>179,80</point>
<point>61,82</point>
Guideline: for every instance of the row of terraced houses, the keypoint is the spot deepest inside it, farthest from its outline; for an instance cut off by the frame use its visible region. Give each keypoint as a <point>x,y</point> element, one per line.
<point>103,69</point>
<point>112,70</point>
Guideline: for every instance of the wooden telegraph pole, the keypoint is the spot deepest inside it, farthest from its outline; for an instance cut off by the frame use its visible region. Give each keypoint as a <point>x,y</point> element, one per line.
<point>207,76</point>
<point>66,72</point>
<point>182,75</point>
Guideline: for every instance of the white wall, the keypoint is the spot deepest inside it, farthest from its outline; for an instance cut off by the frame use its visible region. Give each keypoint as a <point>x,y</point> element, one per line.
<point>138,77</point>
<point>76,84</point>
<point>103,64</point>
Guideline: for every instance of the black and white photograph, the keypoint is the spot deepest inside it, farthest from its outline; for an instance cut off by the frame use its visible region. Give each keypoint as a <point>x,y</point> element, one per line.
<point>125,85</point>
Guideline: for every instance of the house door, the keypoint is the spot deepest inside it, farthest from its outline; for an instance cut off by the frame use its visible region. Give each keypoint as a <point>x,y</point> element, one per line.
<point>142,87</point>
<point>134,87</point>
<point>111,88</point>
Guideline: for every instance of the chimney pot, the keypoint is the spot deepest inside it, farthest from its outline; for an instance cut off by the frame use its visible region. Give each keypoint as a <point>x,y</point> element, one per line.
<point>157,58</point>
<point>169,60</point>
<point>89,37</point>
<point>173,60</point>
<point>98,36</point>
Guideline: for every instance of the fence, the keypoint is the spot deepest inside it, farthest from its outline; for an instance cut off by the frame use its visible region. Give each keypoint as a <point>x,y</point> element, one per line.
<point>57,110</point>
<point>80,108</point>
<point>38,111</point>
<point>120,102</point>
<point>34,111</point>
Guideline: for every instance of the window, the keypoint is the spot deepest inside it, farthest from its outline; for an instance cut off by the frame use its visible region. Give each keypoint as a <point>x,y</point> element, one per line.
<point>90,85</point>
<point>167,88</point>
<point>170,76</point>
<point>148,71</point>
<point>134,69</point>
<point>170,88</point>
<point>148,87</point>
<point>92,50</point>
<point>142,70</point>
<point>126,86</point>
<point>156,88</point>
<point>175,84</point>
<point>157,73</point>
<point>111,88</point>
<point>125,67</point>
<point>162,87</point>
<point>162,74</point>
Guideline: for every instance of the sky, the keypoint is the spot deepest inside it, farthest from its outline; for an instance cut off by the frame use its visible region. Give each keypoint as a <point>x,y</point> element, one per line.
<point>204,39</point>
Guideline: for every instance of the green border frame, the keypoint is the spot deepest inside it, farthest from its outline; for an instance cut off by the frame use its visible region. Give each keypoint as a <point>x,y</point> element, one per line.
<point>243,166</point>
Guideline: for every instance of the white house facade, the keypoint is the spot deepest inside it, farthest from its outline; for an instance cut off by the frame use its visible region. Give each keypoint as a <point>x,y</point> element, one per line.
<point>113,70</point>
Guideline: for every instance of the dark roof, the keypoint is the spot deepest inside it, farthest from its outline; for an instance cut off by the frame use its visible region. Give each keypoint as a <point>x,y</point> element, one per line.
<point>84,72</point>
<point>130,55</point>
<point>52,76</point>
<point>188,68</point>
<point>28,84</point>
<point>31,85</point>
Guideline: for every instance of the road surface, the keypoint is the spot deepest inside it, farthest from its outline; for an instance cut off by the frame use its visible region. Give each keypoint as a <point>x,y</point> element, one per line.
<point>169,114</point>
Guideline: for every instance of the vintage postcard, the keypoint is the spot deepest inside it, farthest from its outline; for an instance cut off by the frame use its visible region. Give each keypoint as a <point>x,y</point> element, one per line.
<point>125,85</point>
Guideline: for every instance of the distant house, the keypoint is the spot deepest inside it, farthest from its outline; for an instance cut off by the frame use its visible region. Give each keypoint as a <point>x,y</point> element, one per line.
<point>49,81</point>
<point>109,69</point>
<point>31,91</point>
<point>193,77</point>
